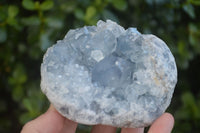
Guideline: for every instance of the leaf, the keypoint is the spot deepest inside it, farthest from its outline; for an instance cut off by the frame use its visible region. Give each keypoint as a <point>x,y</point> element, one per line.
<point>28,4</point>
<point>18,76</point>
<point>109,15</point>
<point>54,22</point>
<point>195,2</point>
<point>194,37</point>
<point>3,35</point>
<point>28,105</point>
<point>12,11</point>
<point>192,30</point>
<point>120,4</point>
<point>22,48</point>
<point>12,21</point>
<point>189,102</point>
<point>3,14</point>
<point>68,6</point>
<point>47,5</point>
<point>17,93</point>
<point>25,117</point>
<point>189,9</point>
<point>45,42</point>
<point>182,48</point>
<point>90,12</point>
<point>32,20</point>
<point>34,52</point>
<point>188,99</point>
<point>37,5</point>
<point>79,14</point>
<point>108,1</point>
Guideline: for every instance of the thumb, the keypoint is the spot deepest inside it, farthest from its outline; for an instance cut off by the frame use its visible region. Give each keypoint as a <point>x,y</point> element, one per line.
<point>49,122</point>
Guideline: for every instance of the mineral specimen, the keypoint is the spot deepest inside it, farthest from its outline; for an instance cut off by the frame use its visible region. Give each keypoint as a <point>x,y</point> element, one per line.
<point>105,74</point>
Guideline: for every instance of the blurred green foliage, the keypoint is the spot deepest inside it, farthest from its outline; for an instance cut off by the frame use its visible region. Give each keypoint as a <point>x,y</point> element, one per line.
<point>29,27</point>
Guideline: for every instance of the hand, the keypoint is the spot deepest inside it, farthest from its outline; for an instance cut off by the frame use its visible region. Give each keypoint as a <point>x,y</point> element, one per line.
<point>53,122</point>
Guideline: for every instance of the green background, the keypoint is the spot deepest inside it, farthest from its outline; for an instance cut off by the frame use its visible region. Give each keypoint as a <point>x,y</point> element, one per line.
<point>28,28</point>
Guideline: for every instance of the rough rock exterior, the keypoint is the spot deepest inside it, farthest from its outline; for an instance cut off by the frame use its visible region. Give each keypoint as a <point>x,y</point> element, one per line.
<point>105,74</point>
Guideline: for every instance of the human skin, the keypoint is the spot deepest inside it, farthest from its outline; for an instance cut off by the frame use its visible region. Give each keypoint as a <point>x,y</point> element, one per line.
<point>52,122</point>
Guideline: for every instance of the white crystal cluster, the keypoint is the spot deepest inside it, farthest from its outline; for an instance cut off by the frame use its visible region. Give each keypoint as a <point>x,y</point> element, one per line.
<point>105,74</point>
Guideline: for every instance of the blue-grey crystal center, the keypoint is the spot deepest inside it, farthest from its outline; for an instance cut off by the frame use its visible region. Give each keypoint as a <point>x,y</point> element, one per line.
<point>113,71</point>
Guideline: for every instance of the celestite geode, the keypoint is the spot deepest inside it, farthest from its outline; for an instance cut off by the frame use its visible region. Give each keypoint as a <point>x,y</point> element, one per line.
<point>105,74</point>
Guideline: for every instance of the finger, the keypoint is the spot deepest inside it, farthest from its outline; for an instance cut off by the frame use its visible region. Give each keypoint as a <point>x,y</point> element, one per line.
<point>103,129</point>
<point>132,130</point>
<point>69,126</point>
<point>50,122</point>
<point>163,124</point>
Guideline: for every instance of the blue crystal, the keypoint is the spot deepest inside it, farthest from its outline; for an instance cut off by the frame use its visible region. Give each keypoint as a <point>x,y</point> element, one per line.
<point>113,71</point>
<point>107,75</point>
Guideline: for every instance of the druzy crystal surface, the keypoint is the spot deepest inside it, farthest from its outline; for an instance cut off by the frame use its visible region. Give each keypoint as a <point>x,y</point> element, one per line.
<point>105,74</point>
